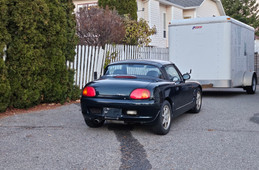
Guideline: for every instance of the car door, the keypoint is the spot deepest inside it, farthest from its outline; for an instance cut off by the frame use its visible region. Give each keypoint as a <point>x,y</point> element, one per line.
<point>189,89</point>
<point>180,91</point>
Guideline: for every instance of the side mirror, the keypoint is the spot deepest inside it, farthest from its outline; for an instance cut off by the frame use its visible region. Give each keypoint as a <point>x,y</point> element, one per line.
<point>186,76</point>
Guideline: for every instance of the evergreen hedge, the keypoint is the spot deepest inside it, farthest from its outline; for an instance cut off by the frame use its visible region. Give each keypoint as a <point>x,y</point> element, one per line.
<point>122,6</point>
<point>26,53</point>
<point>4,39</point>
<point>43,39</point>
<point>56,72</point>
<point>73,92</point>
<point>4,87</point>
<point>60,48</point>
<point>4,36</point>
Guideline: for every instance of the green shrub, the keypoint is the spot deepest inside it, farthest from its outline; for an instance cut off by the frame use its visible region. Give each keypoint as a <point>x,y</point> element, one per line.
<point>25,53</point>
<point>55,72</point>
<point>43,39</point>
<point>74,92</point>
<point>138,32</point>
<point>4,87</point>
<point>4,38</point>
<point>72,39</point>
<point>122,6</point>
<point>61,41</point>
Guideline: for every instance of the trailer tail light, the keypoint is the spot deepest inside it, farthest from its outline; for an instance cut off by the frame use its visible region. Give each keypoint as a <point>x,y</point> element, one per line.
<point>140,94</point>
<point>89,91</point>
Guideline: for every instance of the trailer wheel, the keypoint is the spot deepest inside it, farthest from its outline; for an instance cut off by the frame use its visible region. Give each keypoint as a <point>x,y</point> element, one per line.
<point>252,89</point>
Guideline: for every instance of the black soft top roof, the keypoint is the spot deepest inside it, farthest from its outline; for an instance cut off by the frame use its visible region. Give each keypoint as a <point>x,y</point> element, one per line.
<point>158,63</point>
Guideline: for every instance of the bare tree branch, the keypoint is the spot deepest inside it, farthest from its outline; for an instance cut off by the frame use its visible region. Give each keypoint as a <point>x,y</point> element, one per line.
<point>97,26</point>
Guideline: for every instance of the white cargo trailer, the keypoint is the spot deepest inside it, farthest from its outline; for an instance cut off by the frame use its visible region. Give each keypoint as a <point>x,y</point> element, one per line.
<point>219,50</point>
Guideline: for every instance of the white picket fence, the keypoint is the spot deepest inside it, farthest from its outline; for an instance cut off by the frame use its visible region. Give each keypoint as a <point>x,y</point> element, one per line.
<point>90,59</point>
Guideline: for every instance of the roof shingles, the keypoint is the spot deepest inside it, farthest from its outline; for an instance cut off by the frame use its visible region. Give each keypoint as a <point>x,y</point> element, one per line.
<point>186,3</point>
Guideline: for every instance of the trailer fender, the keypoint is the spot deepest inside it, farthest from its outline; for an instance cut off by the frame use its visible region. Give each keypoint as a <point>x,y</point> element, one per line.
<point>247,79</point>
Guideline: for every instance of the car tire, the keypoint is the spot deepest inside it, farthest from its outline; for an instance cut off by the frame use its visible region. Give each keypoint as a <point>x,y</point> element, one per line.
<point>252,89</point>
<point>94,123</point>
<point>198,101</point>
<point>164,119</point>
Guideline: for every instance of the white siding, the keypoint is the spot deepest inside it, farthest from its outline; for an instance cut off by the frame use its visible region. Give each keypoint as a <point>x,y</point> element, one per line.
<point>142,10</point>
<point>169,17</point>
<point>163,41</point>
<point>208,9</point>
<point>169,13</point>
<point>189,13</point>
<point>177,13</point>
<point>154,19</point>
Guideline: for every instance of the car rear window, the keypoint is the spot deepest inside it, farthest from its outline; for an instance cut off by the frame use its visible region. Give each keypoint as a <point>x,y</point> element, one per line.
<point>133,69</point>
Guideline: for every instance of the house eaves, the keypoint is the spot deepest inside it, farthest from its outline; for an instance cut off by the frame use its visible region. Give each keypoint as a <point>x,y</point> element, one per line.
<point>220,6</point>
<point>186,4</point>
<point>166,2</point>
<point>192,4</point>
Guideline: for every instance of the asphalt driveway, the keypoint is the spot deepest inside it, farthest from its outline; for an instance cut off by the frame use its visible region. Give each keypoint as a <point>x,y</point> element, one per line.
<point>224,135</point>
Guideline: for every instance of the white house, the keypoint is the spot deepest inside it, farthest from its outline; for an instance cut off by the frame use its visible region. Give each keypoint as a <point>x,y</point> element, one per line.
<point>84,3</point>
<point>161,12</point>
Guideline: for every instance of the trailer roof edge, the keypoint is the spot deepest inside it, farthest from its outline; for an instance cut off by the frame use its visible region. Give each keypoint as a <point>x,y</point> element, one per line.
<point>206,20</point>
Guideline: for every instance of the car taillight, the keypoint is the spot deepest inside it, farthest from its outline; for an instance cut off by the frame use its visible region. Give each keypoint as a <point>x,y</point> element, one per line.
<point>140,94</point>
<point>89,91</point>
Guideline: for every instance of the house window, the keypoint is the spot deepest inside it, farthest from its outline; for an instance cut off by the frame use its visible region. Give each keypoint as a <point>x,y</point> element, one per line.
<point>187,17</point>
<point>87,5</point>
<point>164,25</point>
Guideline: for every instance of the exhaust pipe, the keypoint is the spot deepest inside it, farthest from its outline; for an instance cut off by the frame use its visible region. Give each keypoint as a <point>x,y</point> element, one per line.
<point>96,121</point>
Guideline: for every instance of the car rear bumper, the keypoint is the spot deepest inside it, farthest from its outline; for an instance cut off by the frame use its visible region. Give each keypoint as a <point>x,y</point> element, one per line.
<point>96,108</point>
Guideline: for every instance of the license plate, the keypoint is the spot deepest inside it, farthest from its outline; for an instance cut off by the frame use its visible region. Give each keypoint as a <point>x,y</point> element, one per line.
<point>112,112</point>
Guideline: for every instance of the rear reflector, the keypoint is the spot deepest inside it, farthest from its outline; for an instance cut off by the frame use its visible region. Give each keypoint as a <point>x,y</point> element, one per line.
<point>89,91</point>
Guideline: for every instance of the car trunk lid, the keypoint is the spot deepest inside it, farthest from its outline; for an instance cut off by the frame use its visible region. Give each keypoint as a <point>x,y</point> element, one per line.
<point>118,87</point>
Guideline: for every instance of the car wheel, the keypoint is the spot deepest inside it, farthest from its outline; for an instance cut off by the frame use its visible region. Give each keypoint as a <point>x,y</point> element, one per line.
<point>163,121</point>
<point>252,89</point>
<point>94,123</point>
<point>198,101</point>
